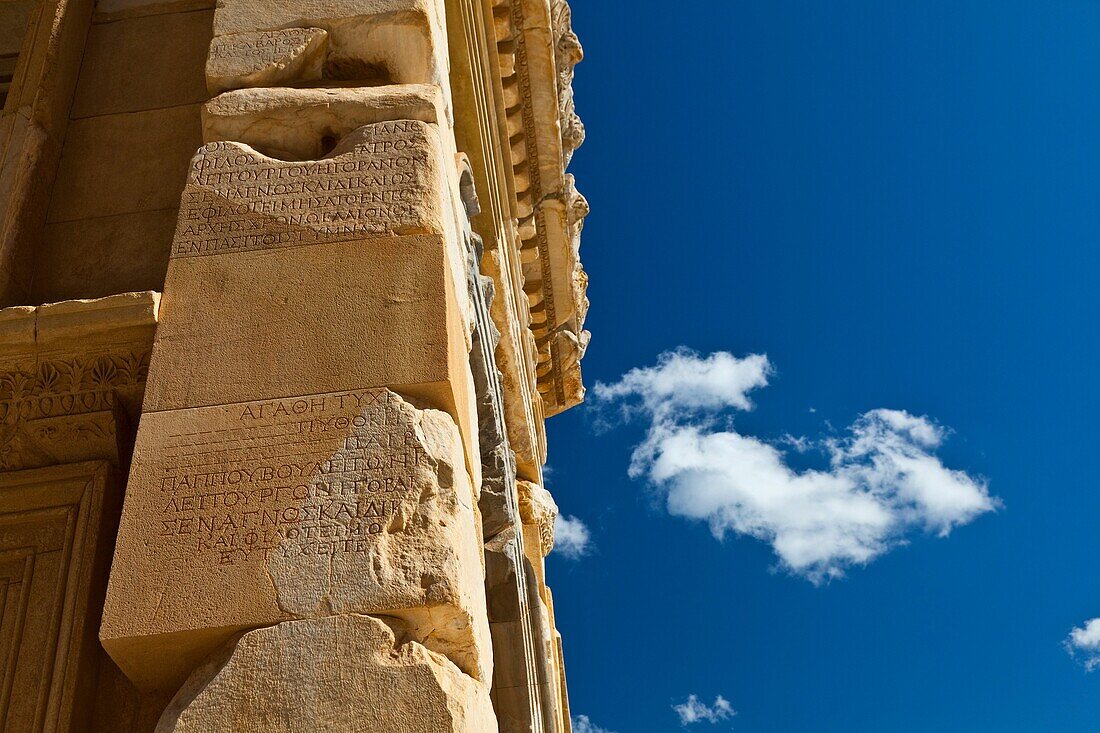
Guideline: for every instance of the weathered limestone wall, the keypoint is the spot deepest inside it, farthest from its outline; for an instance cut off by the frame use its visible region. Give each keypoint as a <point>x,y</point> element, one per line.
<point>133,126</point>
<point>312,480</point>
<point>306,442</point>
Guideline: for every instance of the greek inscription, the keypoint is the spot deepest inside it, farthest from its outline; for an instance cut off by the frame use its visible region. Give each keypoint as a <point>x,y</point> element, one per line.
<point>237,200</point>
<point>265,45</point>
<point>321,474</point>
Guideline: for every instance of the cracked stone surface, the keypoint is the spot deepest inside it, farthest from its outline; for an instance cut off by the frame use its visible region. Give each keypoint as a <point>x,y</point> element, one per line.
<point>290,124</point>
<point>329,675</point>
<point>369,41</point>
<point>265,58</point>
<point>250,514</point>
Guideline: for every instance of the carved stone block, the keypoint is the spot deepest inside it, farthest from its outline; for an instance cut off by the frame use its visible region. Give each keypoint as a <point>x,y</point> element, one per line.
<point>377,273</point>
<point>370,41</point>
<point>330,675</point>
<point>250,514</point>
<point>72,358</point>
<point>383,180</point>
<point>265,58</point>
<point>50,441</point>
<point>294,124</point>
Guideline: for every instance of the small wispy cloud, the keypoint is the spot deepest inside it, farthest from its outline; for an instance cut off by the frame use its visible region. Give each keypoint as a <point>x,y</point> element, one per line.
<point>883,479</point>
<point>582,724</point>
<point>694,710</point>
<point>571,537</point>
<point>1083,644</point>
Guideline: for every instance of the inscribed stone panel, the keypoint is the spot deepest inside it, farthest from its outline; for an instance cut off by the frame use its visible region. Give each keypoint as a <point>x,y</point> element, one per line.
<point>246,515</point>
<point>265,58</point>
<point>384,179</point>
<point>244,292</point>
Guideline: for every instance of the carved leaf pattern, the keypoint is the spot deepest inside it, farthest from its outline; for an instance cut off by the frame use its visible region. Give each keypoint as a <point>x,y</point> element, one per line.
<point>14,386</point>
<point>69,385</point>
<point>103,372</point>
<point>49,378</point>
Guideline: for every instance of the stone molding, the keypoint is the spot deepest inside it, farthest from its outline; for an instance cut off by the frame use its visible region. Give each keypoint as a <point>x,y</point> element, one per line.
<point>537,51</point>
<point>70,386</point>
<point>538,508</point>
<point>53,554</point>
<point>74,357</point>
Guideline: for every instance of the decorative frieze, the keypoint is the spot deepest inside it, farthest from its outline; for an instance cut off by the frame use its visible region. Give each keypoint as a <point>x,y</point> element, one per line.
<point>72,377</point>
<point>69,386</point>
<point>537,50</point>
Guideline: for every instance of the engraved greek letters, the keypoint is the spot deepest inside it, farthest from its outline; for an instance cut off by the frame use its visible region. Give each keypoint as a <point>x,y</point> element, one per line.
<point>265,45</point>
<point>259,485</point>
<point>237,200</point>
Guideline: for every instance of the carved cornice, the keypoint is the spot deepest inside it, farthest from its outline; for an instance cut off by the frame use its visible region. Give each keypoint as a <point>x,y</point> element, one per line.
<point>538,50</point>
<point>75,357</point>
<point>567,54</point>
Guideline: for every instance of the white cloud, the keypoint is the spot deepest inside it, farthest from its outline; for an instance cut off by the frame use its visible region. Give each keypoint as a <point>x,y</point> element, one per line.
<point>571,537</point>
<point>683,381</point>
<point>581,724</point>
<point>693,710</point>
<point>883,479</point>
<point>1084,644</point>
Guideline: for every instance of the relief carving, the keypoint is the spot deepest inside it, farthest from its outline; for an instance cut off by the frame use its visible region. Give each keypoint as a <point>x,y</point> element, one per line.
<point>69,386</point>
<point>538,508</point>
<point>567,54</point>
<point>51,441</point>
<point>69,360</point>
<point>540,153</point>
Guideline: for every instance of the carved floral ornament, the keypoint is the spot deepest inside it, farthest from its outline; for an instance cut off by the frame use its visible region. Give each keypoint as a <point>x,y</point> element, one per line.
<point>68,386</point>
<point>567,54</point>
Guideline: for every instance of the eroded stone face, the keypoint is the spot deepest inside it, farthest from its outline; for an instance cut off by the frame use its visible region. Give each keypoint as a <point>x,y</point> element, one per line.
<point>265,58</point>
<point>330,675</point>
<point>382,180</point>
<point>295,121</point>
<point>539,510</point>
<point>244,515</point>
<point>375,41</point>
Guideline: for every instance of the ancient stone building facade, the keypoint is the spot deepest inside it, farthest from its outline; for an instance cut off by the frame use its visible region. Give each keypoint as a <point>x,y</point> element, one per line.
<point>289,289</point>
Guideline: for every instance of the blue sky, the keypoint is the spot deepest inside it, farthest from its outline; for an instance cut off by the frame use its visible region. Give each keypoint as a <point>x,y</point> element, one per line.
<point>896,202</point>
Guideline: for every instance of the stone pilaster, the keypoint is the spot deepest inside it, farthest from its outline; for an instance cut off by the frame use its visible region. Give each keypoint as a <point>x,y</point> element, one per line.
<point>519,698</point>
<point>71,379</point>
<point>303,503</point>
